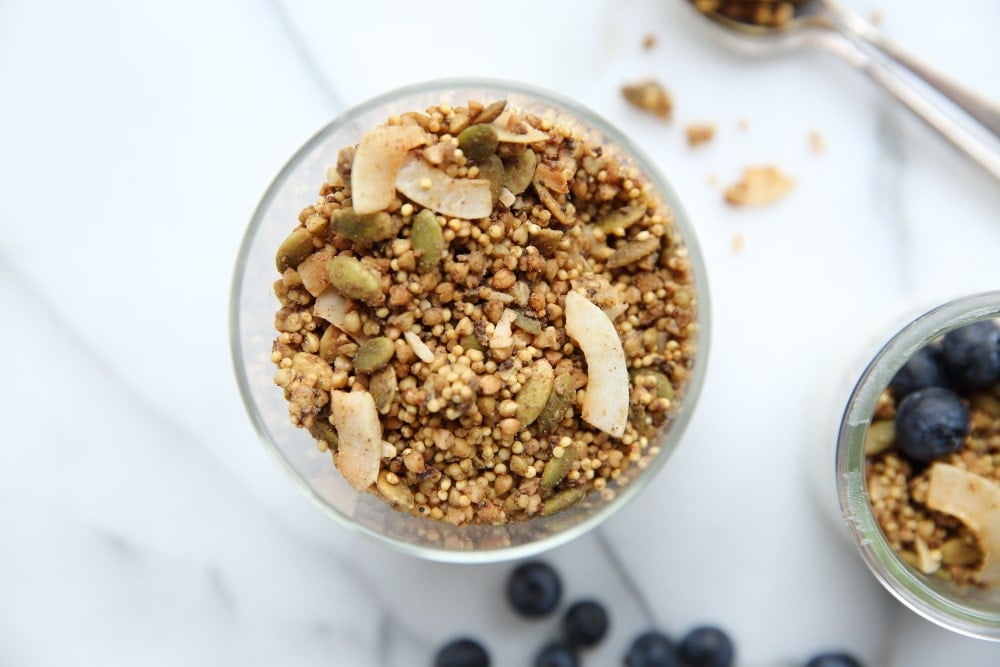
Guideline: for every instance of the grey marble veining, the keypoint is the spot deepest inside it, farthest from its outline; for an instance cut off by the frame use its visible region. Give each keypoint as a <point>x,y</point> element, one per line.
<point>143,523</point>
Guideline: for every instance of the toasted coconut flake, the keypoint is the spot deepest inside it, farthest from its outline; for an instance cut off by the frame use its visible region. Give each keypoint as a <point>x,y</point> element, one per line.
<point>503,333</point>
<point>378,158</point>
<point>312,271</point>
<point>420,348</point>
<point>517,133</point>
<point>975,501</point>
<point>467,198</point>
<point>507,197</point>
<point>354,416</point>
<point>605,401</point>
<point>333,307</point>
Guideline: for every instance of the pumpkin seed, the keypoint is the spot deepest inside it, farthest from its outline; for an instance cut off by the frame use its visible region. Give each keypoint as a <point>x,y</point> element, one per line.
<point>427,240</point>
<point>365,229</point>
<point>561,398</point>
<point>382,386</point>
<point>478,142</point>
<point>529,324</point>
<point>492,170</point>
<point>321,429</point>
<point>632,252</point>
<point>622,219</point>
<point>470,342</point>
<point>328,344</point>
<point>556,468</point>
<point>547,241</point>
<point>350,277</point>
<point>294,249</point>
<point>563,500</point>
<point>664,388</point>
<point>519,171</point>
<point>490,113</point>
<point>374,354</point>
<point>534,394</point>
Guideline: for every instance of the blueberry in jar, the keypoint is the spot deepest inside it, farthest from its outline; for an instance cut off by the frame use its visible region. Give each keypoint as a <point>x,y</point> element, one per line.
<point>585,623</point>
<point>651,649</point>
<point>922,370</point>
<point>931,423</point>
<point>972,355</point>
<point>556,654</point>
<point>833,660</point>
<point>706,646</point>
<point>462,652</point>
<point>534,589</point>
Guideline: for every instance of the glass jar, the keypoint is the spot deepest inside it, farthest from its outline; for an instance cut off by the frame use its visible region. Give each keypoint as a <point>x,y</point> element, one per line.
<point>967,610</point>
<point>253,305</point>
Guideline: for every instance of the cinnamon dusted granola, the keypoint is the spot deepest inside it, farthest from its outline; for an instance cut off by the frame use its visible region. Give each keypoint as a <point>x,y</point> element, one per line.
<point>485,315</point>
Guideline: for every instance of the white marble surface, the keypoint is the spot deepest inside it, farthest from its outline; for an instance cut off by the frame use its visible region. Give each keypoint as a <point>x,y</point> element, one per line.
<point>141,522</point>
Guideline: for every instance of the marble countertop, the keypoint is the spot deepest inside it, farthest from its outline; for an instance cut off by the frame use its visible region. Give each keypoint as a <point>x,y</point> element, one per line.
<point>142,521</point>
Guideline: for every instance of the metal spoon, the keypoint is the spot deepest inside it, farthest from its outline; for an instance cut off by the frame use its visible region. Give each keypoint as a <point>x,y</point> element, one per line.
<point>828,25</point>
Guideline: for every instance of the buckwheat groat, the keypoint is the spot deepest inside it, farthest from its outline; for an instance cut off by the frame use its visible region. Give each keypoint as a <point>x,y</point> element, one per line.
<point>485,315</point>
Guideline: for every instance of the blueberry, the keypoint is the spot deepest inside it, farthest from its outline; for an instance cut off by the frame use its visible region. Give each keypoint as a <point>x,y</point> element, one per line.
<point>556,654</point>
<point>706,646</point>
<point>931,423</point>
<point>972,355</point>
<point>534,589</point>
<point>462,652</point>
<point>651,649</point>
<point>585,623</point>
<point>921,371</point>
<point>833,660</point>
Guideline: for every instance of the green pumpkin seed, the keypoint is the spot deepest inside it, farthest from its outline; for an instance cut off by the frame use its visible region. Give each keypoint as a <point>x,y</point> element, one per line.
<point>519,171</point>
<point>957,551</point>
<point>664,388</point>
<point>622,219</point>
<point>321,429</point>
<point>294,249</point>
<point>556,468</point>
<point>547,241</point>
<point>383,386</point>
<point>880,436</point>
<point>364,229</point>
<point>529,324</point>
<point>559,400</point>
<point>470,342</point>
<point>491,112</point>
<point>478,142</point>
<point>350,277</point>
<point>491,169</point>
<point>328,344</point>
<point>373,354</point>
<point>427,240</point>
<point>563,500</point>
<point>532,398</point>
<point>632,252</point>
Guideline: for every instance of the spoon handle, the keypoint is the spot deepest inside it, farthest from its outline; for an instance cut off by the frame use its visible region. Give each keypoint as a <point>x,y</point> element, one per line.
<point>947,124</point>
<point>984,110</point>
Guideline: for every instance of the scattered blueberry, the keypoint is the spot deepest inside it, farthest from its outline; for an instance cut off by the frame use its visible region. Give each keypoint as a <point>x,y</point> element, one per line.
<point>972,355</point>
<point>556,654</point>
<point>706,646</point>
<point>462,652</point>
<point>651,649</point>
<point>931,423</point>
<point>534,589</point>
<point>833,660</point>
<point>585,623</point>
<point>921,371</point>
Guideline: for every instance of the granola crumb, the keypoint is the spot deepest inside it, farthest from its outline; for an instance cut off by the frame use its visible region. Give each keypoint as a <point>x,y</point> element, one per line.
<point>651,96</point>
<point>875,16</point>
<point>648,41</point>
<point>699,133</point>
<point>743,124</point>
<point>759,185</point>
<point>737,243</point>
<point>816,142</point>
<point>713,180</point>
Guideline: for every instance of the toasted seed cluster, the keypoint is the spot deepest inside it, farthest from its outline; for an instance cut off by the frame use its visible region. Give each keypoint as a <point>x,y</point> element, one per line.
<point>477,432</point>
<point>768,13</point>
<point>935,543</point>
